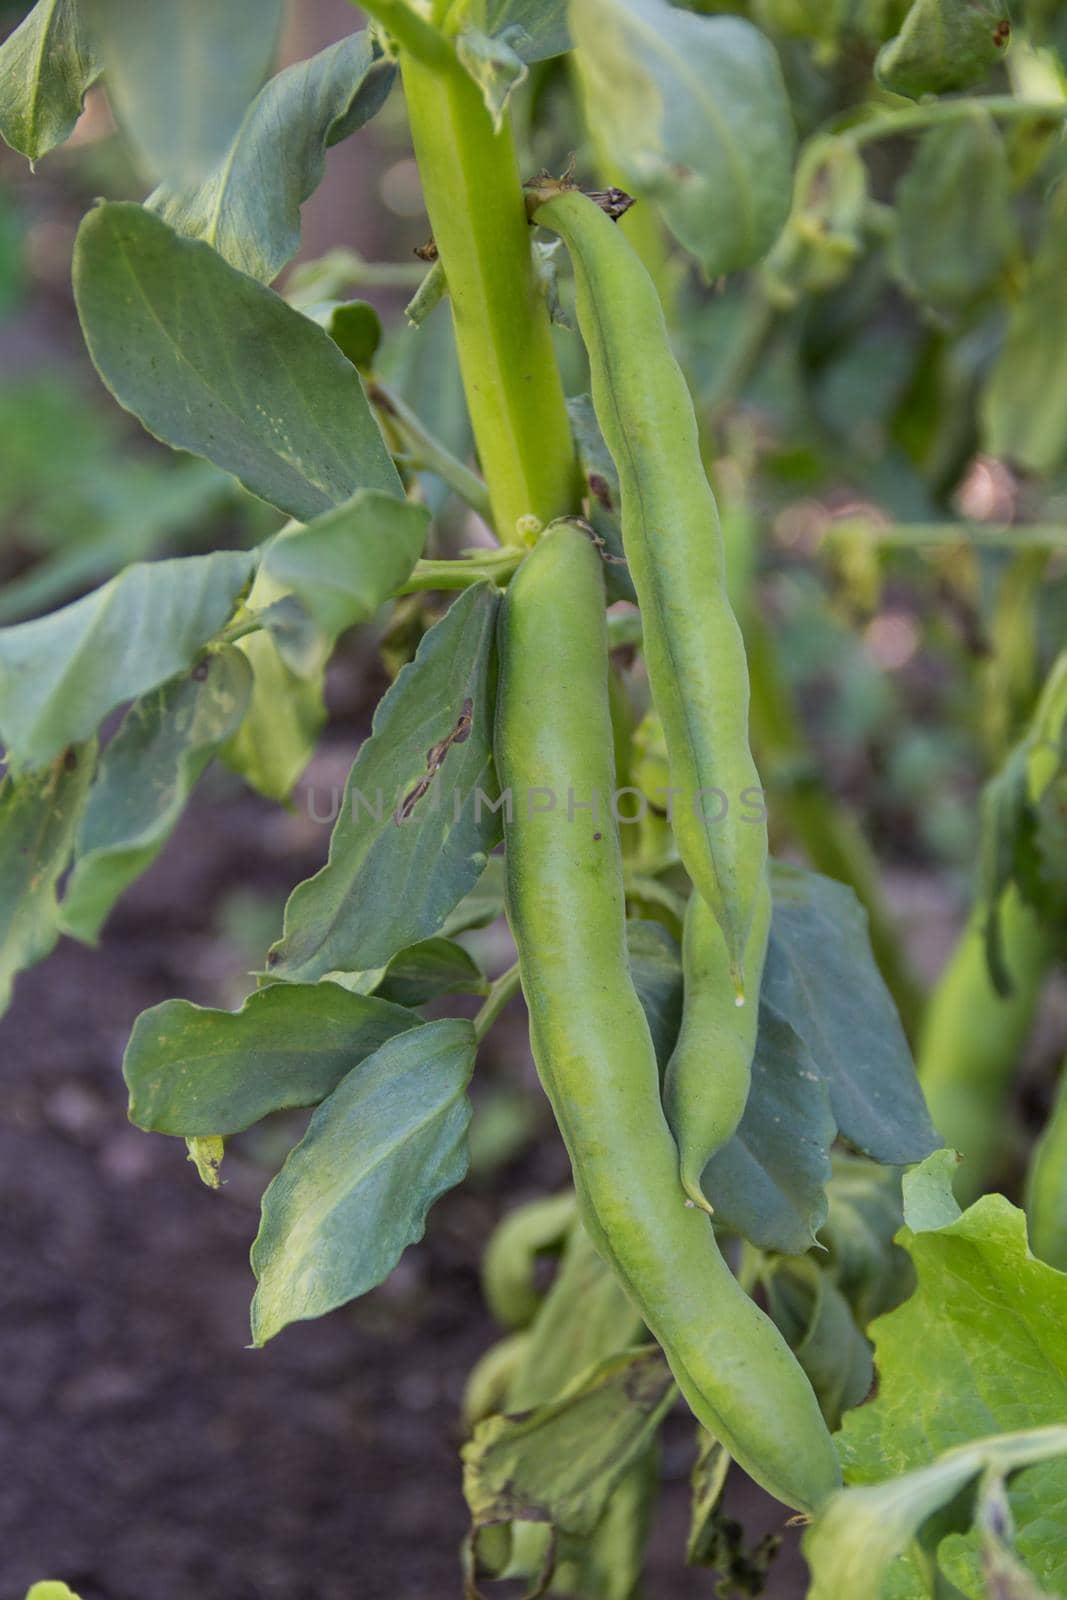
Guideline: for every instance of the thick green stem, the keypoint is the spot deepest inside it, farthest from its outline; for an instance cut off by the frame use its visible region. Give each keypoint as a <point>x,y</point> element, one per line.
<point>496,565</point>
<point>474,197</point>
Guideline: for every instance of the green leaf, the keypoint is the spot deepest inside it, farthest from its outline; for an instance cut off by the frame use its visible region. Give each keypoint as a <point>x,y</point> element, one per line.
<point>192,1071</point>
<point>826,231</point>
<point>1024,408</point>
<point>47,65</point>
<point>872,1272</point>
<point>494,66</point>
<point>346,563</point>
<point>859,1536</point>
<point>248,206</point>
<point>356,329</point>
<point>354,1193</point>
<point>560,1462</point>
<point>38,815</point>
<point>584,1318</point>
<point>277,738</point>
<point>605,497</point>
<point>815,1319</point>
<point>695,114</point>
<point>956,228</point>
<point>944,45</point>
<point>60,675</point>
<point>517,1247</point>
<point>180,76</point>
<point>822,977</point>
<point>535,29</point>
<point>145,777</point>
<point>988,1319</point>
<point>215,363</point>
<point>428,970</point>
<point>769,1182</point>
<point>656,969</point>
<point>483,905</point>
<point>413,811</point>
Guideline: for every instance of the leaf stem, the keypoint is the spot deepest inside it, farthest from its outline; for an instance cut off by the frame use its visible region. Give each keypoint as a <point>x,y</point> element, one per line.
<point>492,564</point>
<point>913,119</point>
<point>500,992</point>
<point>429,452</point>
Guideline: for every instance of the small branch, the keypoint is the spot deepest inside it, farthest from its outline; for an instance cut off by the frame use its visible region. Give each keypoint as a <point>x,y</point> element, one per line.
<point>494,565</point>
<point>428,452</point>
<point>914,119</point>
<point>500,992</point>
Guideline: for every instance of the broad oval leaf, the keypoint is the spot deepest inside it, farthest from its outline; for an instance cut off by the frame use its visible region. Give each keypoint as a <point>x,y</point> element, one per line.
<point>943,45</point>
<point>769,1182</point>
<point>193,1071</point>
<point>956,228</point>
<point>346,563</point>
<point>144,779</point>
<point>695,113</point>
<point>60,675</point>
<point>417,809</point>
<point>354,1193</point>
<point>39,813</point>
<point>428,970</point>
<point>47,65</point>
<point>179,76</point>
<point>248,206</point>
<point>213,362</point>
<point>821,977</point>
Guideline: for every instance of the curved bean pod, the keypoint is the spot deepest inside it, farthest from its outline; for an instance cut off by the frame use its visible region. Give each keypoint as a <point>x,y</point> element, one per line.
<point>710,1071</point>
<point>591,1041</point>
<point>670,527</point>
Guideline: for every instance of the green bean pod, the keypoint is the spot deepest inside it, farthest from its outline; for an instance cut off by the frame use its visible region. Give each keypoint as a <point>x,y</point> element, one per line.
<point>1046,1186</point>
<point>591,1041</point>
<point>673,543</point>
<point>708,1077</point>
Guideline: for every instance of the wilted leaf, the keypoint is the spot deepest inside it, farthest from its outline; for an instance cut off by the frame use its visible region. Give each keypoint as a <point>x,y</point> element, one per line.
<point>215,363</point>
<point>193,1071</point>
<point>60,675</point>
<point>560,1462</point>
<point>354,1193</point>
<point>145,777</point>
<point>47,65</point>
<point>38,815</point>
<point>180,76</point>
<point>414,810</point>
<point>248,206</point>
<point>206,1156</point>
<point>695,114</point>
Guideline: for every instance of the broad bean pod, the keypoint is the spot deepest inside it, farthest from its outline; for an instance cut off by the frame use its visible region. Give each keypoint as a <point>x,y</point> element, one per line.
<point>592,1044</point>
<point>710,1071</point>
<point>673,544</point>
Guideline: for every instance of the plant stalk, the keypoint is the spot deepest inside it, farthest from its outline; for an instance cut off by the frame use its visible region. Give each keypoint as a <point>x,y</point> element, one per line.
<point>471,182</point>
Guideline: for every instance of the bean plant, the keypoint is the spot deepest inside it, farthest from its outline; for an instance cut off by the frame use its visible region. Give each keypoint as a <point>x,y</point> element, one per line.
<point>673,257</point>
